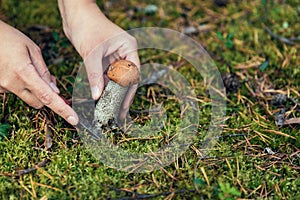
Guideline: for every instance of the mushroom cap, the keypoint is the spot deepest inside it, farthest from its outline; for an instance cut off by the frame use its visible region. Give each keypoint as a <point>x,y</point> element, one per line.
<point>123,72</point>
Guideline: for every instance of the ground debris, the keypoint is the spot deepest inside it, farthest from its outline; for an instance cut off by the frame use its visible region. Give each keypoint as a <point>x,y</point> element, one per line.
<point>279,99</point>
<point>231,82</point>
<point>280,117</point>
<point>190,30</point>
<point>289,41</point>
<point>292,121</point>
<point>269,151</point>
<point>26,171</point>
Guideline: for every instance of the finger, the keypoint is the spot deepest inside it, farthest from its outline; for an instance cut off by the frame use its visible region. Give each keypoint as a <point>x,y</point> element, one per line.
<point>38,61</point>
<point>41,67</point>
<point>2,90</point>
<point>53,84</point>
<point>30,99</point>
<point>53,79</point>
<point>133,57</point>
<point>26,95</point>
<point>46,95</point>
<point>128,101</point>
<point>105,63</point>
<point>111,59</point>
<point>129,51</point>
<point>94,69</point>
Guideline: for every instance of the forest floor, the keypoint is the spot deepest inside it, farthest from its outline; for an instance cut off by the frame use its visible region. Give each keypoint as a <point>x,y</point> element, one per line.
<point>255,45</point>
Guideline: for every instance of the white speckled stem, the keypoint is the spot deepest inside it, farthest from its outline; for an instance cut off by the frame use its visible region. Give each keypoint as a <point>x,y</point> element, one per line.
<point>108,107</point>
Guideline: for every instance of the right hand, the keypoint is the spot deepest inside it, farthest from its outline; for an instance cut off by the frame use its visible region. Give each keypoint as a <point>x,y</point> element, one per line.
<point>99,42</point>
<point>24,73</point>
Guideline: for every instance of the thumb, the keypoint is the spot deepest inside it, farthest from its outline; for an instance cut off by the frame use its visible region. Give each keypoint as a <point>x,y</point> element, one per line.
<point>133,57</point>
<point>94,69</point>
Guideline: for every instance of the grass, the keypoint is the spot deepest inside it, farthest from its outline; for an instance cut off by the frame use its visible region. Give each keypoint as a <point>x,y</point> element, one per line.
<point>239,166</point>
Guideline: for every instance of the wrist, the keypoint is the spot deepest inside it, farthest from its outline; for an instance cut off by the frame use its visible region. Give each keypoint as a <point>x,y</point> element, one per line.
<point>72,12</point>
<point>66,5</point>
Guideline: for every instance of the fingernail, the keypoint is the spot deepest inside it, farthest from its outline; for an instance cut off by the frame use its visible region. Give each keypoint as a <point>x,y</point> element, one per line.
<point>54,88</point>
<point>72,120</point>
<point>95,92</point>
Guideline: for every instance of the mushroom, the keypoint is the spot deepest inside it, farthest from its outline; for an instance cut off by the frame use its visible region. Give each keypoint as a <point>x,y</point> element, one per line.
<point>122,75</point>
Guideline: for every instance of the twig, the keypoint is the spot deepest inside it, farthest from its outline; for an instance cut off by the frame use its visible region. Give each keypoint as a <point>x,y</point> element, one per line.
<point>294,101</point>
<point>231,135</point>
<point>157,110</point>
<point>280,133</point>
<point>195,171</point>
<point>280,38</point>
<point>292,121</point>
<point>26,171</point>
<point>295,39</point>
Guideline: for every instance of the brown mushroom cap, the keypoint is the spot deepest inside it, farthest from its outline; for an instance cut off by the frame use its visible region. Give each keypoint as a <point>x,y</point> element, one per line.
<point>123,72</point>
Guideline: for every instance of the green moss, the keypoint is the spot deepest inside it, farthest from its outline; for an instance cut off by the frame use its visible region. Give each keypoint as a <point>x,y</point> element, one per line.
<point>239,166</point>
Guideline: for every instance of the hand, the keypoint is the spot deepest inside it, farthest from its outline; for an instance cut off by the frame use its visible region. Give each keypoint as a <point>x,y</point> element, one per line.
<point>24,73</point>
<point>99,42</point>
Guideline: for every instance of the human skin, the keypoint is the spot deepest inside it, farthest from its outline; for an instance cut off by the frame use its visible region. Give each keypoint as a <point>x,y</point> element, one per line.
<point>24,72</point>
<point>87,27</point>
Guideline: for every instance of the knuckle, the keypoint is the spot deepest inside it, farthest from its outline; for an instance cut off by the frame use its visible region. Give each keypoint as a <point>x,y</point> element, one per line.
<point>45,73</point>
<point>132,41</point>
<point>46,98</point>
<point>37,49</point>
<point>4,84</point>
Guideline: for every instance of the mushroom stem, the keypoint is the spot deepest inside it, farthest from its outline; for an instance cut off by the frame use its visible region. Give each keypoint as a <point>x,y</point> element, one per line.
<point>109,105</point>
<point>122,74</point>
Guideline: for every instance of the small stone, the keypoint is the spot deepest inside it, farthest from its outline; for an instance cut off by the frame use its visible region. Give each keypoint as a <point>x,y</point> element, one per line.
<point>231,82</point>
<point>279,99</point>
<point>280,117</point>
<point>269,151</point>
<point>151,9</point>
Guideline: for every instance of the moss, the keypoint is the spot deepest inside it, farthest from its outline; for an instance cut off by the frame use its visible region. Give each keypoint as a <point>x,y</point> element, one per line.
<point>238,162</point>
